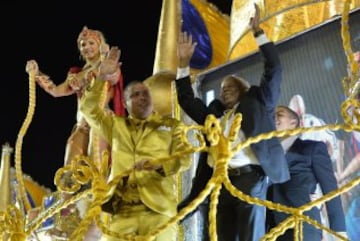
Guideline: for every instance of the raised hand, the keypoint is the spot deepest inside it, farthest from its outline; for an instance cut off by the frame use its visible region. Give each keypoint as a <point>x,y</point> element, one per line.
<point>185,49</point>
<point>255,21</point>
<point>110,65</point>
<point>32,67</point>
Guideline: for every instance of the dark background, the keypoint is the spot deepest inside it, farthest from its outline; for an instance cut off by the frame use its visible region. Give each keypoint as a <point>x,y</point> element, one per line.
<point>47,31</point>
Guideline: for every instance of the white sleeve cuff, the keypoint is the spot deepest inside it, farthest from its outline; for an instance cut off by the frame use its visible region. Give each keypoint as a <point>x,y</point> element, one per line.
<point>262,39</point>
<point>182,72</point>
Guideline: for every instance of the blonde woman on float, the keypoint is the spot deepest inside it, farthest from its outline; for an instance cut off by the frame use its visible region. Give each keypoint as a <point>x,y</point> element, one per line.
<point>82,141</point>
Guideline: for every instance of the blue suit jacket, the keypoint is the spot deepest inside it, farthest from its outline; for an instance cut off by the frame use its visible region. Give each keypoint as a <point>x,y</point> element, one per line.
<point>309,164</point>
<point>257,108</point>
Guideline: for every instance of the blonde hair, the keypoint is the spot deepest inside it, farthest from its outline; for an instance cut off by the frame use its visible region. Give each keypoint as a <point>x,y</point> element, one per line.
<point>98,36</point>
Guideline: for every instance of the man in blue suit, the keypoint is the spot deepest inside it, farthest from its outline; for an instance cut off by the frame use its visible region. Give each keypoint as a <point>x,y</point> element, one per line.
<point>309,164</point>
<point>250,168</point>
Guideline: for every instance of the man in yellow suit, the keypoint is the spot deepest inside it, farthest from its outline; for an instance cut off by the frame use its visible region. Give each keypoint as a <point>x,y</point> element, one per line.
<point>147,197</point>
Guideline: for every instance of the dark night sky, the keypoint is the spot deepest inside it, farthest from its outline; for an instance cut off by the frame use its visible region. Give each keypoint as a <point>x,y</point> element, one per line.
<point>47,32</point>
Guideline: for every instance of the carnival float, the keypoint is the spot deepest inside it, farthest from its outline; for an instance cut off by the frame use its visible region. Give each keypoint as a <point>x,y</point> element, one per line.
<point>29,211</point>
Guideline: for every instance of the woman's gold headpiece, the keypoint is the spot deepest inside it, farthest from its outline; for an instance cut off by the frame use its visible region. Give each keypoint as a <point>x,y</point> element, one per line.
<point>89,33</point>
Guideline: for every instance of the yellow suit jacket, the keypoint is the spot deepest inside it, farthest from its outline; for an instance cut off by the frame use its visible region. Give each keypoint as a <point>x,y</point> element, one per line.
<point>158,139</point>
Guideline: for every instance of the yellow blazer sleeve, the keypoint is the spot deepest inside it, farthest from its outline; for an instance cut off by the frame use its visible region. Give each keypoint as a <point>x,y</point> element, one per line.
<point>98,119</point>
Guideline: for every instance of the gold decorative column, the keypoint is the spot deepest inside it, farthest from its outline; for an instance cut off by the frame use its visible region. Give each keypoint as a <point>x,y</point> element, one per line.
<point>165,63</point>
<point>5,189</point>
<point>168,32</point>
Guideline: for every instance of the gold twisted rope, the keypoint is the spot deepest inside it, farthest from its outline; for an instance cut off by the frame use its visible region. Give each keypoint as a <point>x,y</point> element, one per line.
<point>350,82</point>
<point>19,141</point>
<point>99,190</point>
<point>221,150</point>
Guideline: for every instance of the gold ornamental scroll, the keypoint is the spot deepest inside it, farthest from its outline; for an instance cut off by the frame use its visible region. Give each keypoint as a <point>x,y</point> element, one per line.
<point>279,19</point>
